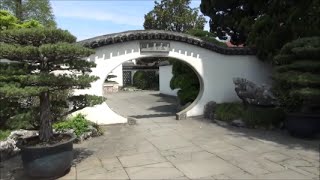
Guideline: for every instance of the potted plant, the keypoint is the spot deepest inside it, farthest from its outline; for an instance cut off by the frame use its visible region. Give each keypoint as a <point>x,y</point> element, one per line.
<point>297,85</point>
<point>43,60</point>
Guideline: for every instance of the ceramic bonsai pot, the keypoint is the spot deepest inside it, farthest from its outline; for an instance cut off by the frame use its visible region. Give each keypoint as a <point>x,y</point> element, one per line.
<point>303,125</point>
<point>51,161</point>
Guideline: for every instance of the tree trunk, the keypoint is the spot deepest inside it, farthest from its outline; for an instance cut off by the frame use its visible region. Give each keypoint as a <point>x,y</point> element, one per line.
<point>18,11</point>
<point>45,132</point>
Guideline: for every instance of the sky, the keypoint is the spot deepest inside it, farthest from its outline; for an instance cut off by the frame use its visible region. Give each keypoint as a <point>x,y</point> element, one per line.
<point>90,18</point>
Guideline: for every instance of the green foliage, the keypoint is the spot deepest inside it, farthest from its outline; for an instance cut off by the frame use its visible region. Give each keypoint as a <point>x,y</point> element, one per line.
<point>146,80</point>
<point>27,120</point>
<point>139,80</point>
<point>8,21</point>
<point>265,25</point>
<point>78,123</point>
<point>263,117</point>
<point>252,116</point>
<point>228,111</point>
<point>300,66</point>
<point>206,36</point>
<point>296,77</point>
<point>25,10</point>
<point>186,80</point>
<point>40,52</point>
<point>173,15</point>
<point>37,37</point>
<point>4,134</point>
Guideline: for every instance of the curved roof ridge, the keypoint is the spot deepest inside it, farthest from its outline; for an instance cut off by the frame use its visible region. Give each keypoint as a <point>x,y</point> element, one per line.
<point>134,35</point>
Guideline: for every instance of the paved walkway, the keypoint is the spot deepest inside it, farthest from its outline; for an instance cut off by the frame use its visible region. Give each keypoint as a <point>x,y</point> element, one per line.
<point>163,148</point>
<point>142,104</point>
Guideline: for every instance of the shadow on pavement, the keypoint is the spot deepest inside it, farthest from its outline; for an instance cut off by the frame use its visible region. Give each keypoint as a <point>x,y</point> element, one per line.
<point>278,136</point>
<point>152,115</point>
<point>169,109</point>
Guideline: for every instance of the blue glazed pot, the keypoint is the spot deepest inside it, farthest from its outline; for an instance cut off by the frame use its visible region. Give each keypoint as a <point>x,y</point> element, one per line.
<point>51,161</point>
<point>303,125</point>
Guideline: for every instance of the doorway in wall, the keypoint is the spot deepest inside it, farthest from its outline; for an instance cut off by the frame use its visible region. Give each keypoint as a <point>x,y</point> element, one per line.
<point>153,87</point>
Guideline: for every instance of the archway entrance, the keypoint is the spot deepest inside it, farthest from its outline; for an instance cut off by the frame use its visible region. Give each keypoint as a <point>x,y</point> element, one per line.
<point>151,87</point>
<point>215,66</point>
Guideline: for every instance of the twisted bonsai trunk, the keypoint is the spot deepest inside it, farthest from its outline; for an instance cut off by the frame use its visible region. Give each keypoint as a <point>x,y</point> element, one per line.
<point>46,131</point>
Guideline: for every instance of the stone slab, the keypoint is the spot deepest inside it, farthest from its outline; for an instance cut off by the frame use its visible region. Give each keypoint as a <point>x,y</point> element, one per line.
<point>155,171</point>
<point>204,168</point>
<point>141,159</point>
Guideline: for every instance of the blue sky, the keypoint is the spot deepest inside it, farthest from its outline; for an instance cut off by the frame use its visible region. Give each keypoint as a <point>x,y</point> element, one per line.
<point>90,18</point>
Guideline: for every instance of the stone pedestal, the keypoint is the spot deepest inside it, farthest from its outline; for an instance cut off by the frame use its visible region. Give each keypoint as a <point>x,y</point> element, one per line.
<point>110,87</point>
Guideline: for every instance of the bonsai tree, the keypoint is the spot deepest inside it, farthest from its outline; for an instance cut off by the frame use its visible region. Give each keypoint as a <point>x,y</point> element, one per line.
<point>110,77</point>
<point>40,64</point>
<point>10,107</point>
<point>297,78</point>
<point>297,85</point>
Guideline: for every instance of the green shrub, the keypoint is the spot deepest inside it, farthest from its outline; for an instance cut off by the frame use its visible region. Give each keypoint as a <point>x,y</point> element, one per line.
<point>4,134</point>
<point>228,111</point>
<point>296,79</point>
<point>146,80</point>
<point>186,80</point>
<point>263,117</point>
<point>140,80</point>
<point>78,123</point>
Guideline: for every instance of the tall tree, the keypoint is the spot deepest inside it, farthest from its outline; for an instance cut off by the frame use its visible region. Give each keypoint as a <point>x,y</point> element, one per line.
<point>39,10</point>
<point>265,25</point>
<point>174,15</point>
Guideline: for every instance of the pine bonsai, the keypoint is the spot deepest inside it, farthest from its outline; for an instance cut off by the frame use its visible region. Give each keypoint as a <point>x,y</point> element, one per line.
<point>297,75</point>
<point>35,55</point>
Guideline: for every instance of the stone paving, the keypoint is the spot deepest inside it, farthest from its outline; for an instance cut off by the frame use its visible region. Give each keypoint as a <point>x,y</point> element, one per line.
<point>164,148</point>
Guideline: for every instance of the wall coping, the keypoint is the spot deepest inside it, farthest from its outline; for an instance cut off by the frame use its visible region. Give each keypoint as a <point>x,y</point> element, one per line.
<point>135,35</point>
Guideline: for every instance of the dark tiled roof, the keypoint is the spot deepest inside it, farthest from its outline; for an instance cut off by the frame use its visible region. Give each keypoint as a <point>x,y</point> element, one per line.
<point>121,37</point>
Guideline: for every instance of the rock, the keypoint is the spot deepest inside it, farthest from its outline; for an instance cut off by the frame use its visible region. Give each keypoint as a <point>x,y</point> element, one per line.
<point>8,147</point>
<point>68,131</point>
<point>132,121</point>
<point>15,135</point>
<point>209,110</point>
<point>221,123</point>
<point>238,123</point>
<point>251,93</point>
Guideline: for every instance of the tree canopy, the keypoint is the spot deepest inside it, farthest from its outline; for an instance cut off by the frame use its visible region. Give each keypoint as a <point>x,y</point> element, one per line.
<point>265,25</point>
<point>8,21</point>
<point>174,15</point>
<point>39,10</point>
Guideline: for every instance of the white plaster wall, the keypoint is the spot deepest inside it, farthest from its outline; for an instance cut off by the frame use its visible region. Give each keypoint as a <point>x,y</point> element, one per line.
<point>165,75</point>
<point>214,70</point>
<point>118,72</point>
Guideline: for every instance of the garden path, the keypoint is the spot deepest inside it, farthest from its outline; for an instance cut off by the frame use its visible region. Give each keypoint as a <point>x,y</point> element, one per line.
<point>160,147</point>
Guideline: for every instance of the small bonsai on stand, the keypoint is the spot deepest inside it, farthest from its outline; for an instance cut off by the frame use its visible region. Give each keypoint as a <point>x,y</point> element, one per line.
<point>38,53</point>
<point>110,77</point>
<point>297,85</point>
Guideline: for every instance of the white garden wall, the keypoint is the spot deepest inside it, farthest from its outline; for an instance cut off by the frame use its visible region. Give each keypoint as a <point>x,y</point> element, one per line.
<point>215,72</point>
<point>165,75</point>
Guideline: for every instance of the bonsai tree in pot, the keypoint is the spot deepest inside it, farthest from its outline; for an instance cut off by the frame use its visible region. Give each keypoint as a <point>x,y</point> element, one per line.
<point>297,85</point>
<point>45,61</point>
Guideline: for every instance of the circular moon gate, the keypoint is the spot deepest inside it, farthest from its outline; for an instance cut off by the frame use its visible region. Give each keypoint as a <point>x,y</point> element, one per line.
<point>215,66</point>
